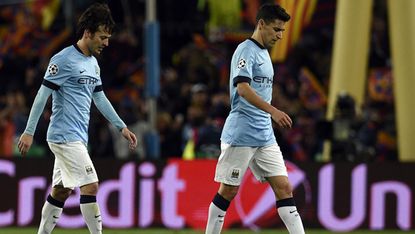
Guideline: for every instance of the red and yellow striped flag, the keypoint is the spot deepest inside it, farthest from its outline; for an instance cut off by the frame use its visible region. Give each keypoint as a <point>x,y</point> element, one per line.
<point>46,10</point>
<point>312,93</point>
<point>301,12</point>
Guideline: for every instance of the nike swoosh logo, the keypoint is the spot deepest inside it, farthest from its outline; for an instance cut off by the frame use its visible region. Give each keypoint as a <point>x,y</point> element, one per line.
<point>82,71</point>
<point>55,217</point>
<point>260,64</point>
<point>221,216</point>
<point>292,211</point>
<point>96,216</point>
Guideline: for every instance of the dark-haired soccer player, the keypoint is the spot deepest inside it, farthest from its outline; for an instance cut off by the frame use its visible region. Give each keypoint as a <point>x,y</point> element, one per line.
<point>73,79</point>
<point>248,138</point>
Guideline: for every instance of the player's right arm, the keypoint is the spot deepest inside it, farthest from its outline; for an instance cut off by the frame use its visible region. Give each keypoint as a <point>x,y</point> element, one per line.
<point>26,139</point>
<point>243,61</point>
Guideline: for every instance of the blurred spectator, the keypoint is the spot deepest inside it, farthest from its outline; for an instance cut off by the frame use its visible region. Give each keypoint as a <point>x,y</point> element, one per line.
<point>7,127</point>
<point>198,62</point>
<point>208,142</point>
<point>170,135</point>
<point>199,96</point>
<point>195,118</point>
<point>345,126</point>
<point>133,113</point>
<point>380,131</point>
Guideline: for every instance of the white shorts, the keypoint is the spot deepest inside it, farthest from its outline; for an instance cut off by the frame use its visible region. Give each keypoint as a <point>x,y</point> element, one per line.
<point>73,166</point>
<point>265,161</point>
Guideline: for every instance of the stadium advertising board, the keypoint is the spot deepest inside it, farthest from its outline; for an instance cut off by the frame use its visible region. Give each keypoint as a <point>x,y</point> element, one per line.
<point>176,194</point>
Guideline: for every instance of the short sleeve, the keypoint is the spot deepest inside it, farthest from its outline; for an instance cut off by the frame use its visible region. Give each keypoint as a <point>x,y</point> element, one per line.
<point>59,70</point>
<point>243,63</point>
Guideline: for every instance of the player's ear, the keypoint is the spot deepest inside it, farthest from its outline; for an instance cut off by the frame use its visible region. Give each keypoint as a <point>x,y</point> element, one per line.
<point>87,34</point>
<point>261,23</point>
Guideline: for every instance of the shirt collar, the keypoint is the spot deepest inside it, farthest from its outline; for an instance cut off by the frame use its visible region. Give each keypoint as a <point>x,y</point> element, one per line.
<point>257,43</point>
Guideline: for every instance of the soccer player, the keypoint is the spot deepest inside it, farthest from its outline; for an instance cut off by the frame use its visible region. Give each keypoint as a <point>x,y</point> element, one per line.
<point>247,137</point>
<point>73,79</point>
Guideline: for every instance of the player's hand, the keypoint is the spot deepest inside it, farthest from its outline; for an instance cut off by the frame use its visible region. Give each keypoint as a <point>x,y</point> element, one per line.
<point>281,118</point>
<point>132,139</point>
<point>24,144</point>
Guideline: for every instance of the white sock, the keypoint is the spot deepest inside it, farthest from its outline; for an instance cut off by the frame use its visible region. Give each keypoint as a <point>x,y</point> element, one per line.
<point>217,212</point>
<point>50,215</point>
<point>92,216</point>
<point>291,219</point>
<point>215,219</point>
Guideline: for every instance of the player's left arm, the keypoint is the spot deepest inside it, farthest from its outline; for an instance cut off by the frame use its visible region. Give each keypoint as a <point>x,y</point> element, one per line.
<point>281,118</point>
<point>107,110</point>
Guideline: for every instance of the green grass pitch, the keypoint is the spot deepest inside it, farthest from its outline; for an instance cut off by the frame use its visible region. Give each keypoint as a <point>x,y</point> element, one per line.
<point>165,231</point>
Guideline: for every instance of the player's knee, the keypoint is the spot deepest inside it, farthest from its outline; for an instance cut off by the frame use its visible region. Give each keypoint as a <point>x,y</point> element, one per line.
<point>228,192</point>
<point>284,189</point>
<point>60,193</point>
<point>90,189</point>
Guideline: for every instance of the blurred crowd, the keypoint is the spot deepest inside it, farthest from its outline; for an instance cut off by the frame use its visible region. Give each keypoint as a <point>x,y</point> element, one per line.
<point>194,99</point>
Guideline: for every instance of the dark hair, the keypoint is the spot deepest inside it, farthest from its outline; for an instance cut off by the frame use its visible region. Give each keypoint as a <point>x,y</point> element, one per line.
<point>96,15</point>
<point>271,12</point>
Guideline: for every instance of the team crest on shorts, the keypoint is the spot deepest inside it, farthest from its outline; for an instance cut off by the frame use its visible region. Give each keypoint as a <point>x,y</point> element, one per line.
<point>53,69</point>
<point>89,170</point>
<point>235,173</point>
<point>241,63</point>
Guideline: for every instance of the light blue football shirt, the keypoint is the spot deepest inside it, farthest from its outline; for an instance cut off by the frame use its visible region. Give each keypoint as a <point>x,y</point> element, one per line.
<point>73,77</point>
<point>247,125</point>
